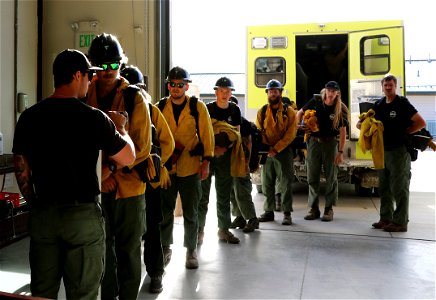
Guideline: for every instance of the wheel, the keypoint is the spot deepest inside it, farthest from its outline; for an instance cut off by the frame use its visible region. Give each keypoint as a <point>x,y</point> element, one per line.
<point>259,188</point>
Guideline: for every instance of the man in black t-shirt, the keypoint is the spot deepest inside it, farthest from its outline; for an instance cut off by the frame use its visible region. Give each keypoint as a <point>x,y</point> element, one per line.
<point>399,118</point>
<point>225,111</point>
<point>56,147</point>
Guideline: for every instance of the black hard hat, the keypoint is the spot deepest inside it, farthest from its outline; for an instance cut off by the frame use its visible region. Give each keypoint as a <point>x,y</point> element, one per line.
<point>132,74</point>
<point>332,85</point>
<point>178,73</point>
<point>224,82</point>
<point>273,84</point>
<point>105,48</point>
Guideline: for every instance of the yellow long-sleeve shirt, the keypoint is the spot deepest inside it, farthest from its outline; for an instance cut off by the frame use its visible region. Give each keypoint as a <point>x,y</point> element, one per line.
<point>164,135</point>
<point>139,130</point>
<point>278,131</point>
<point>185,132</point>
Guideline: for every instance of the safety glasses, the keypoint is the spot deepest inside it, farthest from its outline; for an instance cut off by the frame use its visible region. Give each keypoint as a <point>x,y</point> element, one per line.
<point>179,85</point>
<point>110,66</point>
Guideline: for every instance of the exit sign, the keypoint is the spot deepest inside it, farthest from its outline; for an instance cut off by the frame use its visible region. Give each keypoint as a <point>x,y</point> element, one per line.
<point>83,40</point>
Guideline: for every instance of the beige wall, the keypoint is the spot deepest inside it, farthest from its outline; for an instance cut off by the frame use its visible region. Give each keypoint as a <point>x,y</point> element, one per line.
<point>127,19</point>
<point>26,61</point>
<point>7,71</point>
<point>117,17</point>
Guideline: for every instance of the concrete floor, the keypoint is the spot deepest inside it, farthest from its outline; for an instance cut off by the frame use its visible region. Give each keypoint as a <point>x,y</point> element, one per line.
<point>342,259</point>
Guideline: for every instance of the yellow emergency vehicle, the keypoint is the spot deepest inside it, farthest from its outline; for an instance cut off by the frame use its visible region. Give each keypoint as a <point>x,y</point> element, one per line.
<point>303,57</point>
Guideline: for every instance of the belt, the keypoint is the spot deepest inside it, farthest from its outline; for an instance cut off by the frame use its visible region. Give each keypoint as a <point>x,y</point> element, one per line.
<point>64,202</point>
<point>325,139</point>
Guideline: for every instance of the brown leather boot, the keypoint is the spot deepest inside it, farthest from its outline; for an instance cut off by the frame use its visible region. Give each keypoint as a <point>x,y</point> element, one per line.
<point>191,259</point>
<point>226,236</point>
<point>381,224</point>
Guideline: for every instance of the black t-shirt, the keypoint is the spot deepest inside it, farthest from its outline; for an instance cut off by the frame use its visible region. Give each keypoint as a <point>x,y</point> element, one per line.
<point>177,110</point>
<point>231,115</point>
<point>61,139</point>
<point>396,117</point>
<point>325,115</point>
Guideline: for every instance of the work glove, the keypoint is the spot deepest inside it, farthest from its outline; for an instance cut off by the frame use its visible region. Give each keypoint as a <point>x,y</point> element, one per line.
<point>165,181</point>
<point>151,172</point>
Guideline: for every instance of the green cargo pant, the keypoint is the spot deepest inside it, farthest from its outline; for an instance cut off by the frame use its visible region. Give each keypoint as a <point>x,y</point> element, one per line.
<point>279,167</point>
<point>66,242</point>
<point>240,197</point>
<point>319,155</point>
<point>394,182</point>
<point>125,225</point>
<point>190,193</point>
<point>220,167</point>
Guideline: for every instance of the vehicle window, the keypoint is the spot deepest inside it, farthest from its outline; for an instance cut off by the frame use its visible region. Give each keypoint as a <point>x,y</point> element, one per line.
<point>375,55</point>
<point>268,68</point>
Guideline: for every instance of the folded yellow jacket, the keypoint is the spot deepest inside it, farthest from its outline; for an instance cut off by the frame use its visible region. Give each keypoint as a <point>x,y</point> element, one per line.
<point>238,167</point>
<point>371,138</point>
<point>311,122</point>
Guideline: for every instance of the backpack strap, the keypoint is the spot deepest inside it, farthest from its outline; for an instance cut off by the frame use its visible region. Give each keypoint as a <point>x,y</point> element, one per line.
<point>194,112</point>
<point>161,103</point>
<point>262,115</point>
<point>285,109</point>
<point>129,98</point>
<point>150,110</point>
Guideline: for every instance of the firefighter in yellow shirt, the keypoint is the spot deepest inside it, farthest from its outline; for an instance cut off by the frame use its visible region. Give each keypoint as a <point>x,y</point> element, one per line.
<point>279,129</point>
<point>122,189</point>
<point>153,254</point>
<point>194,140</point>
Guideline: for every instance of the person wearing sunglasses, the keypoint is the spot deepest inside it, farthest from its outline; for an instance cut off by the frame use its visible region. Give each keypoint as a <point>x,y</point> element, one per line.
<point>153,254</point>
<point>188,167</point>
<point>123,191</point>
<point>56,147</point>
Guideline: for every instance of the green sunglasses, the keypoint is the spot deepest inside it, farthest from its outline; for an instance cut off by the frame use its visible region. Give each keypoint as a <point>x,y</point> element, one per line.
<point>112,66</point>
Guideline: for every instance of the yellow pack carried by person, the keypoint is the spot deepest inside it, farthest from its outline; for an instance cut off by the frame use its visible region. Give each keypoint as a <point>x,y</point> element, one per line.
<point>311,122</point>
